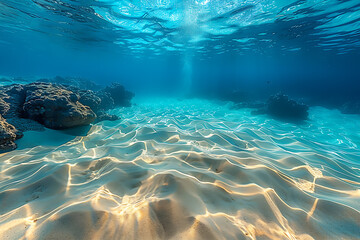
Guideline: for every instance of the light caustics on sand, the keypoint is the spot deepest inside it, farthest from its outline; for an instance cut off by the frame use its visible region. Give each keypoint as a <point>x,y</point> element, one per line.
<point>188,170</point>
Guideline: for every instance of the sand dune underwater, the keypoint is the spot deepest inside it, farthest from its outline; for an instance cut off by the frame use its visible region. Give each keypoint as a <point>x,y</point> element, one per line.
<point>179,119</point>
<point>191,169</point>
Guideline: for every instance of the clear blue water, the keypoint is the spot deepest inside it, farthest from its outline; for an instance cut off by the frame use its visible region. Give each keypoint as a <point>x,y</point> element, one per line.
<point>184,162</point>
<point>296,45</point>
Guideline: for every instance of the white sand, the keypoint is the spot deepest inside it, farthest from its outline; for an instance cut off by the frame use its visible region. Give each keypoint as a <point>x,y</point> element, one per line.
<point>186,170</point>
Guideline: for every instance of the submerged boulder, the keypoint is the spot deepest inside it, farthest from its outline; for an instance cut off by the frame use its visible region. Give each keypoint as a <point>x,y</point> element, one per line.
<point>55,107</point>
<point>106,117</point>
<point>107,102</point>
<point>89,98</point>
<point>280,106</point>
<point>99,102</point>
<point>8,135</point>
<point>25,107</point>
<point>12,98</point>
<point>4,106</point>
<point>59,106</point>
<point>120,96</point>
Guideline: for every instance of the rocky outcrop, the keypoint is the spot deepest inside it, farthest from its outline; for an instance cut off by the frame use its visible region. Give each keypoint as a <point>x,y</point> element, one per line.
<point>281,107</point>
<point>89,98</point>
<point>107,117</point>
<point>12,99</point>
<point>55,107</point>
<point>107,102</point>
<point>8,135</point>
<point>99,102</point>
<point>110,97</point>
<point>121,97</point>
<point>32,106</point>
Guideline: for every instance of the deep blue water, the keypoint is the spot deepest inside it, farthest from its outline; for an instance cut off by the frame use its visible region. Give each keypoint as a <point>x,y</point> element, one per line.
<point>299,47</point>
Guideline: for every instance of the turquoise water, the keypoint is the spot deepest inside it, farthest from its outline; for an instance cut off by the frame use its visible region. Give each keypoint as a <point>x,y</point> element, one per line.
<point>191,169</point>
<point>194,157</point>
<point>298,46</point>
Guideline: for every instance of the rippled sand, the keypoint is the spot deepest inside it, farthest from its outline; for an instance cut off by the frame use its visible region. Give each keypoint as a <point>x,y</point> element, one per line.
<point>186,170</point>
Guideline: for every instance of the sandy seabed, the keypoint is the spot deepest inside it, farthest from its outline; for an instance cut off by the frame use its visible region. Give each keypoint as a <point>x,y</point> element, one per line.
<point>189,169</point>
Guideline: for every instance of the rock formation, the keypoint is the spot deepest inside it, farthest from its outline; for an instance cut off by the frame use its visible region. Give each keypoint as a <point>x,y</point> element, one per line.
<point>8,135</point>
<point>55,107</point>
<point>281,107</point>
<point>32,106</point>
<point>120,96</point>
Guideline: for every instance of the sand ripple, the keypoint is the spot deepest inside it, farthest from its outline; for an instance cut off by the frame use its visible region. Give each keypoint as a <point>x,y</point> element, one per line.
<point>187,170</point>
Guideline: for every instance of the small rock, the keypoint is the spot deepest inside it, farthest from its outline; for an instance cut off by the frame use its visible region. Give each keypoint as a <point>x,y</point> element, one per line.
<point>12,98</point>
<point>121,97</point>
<point>107,117</point>
<point>280,106</point>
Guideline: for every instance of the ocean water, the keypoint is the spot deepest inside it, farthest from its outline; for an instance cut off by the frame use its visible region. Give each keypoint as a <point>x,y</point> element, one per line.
<point>189,159</point>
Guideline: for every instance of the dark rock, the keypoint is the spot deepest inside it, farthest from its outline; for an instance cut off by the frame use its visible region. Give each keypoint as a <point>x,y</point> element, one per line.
<point>55,107</point>
<point>121,97</point>
<point>8,135</point>
<point>4,106</point>
<point>280,106</point>
<point>58,106</point>
<point>107,102</point>
<point>89,98</point>
<point>12,98</point>
<point>98,101</point>
<point>351,107</point>
<point>30,106</point>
